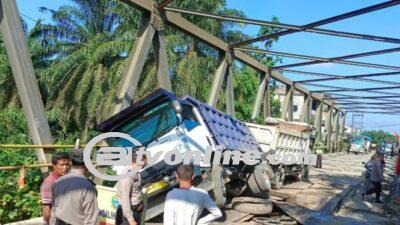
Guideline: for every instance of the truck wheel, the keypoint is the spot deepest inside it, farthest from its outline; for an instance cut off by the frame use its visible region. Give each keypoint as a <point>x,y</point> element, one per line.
<point>259,181</point>
<point>279,178</point>
<point>253,208</point>
<point>304,172</point>
<point>250,205</point>
<point>218,176</point>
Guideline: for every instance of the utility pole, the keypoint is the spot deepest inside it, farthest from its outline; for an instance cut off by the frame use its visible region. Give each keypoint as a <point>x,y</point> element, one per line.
<point>362,123</point>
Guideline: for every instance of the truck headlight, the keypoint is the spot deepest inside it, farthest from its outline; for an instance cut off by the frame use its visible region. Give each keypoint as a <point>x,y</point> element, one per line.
<point>166,179</point>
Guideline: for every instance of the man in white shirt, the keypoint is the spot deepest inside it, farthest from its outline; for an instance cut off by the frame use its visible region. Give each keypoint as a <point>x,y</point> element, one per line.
<point>184,205</point>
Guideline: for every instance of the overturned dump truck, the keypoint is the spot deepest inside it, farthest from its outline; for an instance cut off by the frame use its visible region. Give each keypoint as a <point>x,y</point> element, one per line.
<point>287,146</point>
<point>165,123</point>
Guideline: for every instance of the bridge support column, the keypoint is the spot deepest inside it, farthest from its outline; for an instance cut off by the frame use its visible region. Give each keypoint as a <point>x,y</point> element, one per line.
<point>287,108</point>
<point>318,121</point>
<point>229,93</point>
<point>343,124</point>
<point>24,76</point>
<point>160,51</point>
<point>216,85</point>
<point>328,122</point>
<point>224,73</point>
<point>262,96</point>
<point>306,109</point>
<point>336,129</point>
<point>267,103</point>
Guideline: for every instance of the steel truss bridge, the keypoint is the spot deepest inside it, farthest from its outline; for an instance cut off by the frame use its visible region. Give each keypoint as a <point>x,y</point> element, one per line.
<point>156,16</point>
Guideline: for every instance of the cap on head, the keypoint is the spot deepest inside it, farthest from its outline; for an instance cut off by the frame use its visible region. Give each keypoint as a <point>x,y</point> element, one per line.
<point>77,157</point>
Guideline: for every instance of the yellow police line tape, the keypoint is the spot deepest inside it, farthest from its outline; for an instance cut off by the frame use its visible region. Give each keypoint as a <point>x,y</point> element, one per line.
<point>29,166</point>
<point>31,146</point>
<point>43,146</point>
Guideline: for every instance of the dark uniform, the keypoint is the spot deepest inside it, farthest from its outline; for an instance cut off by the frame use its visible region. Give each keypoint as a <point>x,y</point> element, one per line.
<point>74,197</point>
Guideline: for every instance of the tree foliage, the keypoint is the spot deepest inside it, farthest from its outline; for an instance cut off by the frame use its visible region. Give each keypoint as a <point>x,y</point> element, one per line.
<point>79,58</point>
<point>378,136</point>
<point>17,204</point>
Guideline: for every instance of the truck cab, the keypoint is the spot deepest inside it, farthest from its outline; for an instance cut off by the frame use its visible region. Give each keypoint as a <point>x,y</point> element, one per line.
<point>163,122</point>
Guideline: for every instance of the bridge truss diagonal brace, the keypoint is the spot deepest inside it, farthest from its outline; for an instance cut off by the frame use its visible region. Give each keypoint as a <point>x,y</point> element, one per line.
<point>287,108</point>
<point>223,74</point>
<point>25,79</point>
<point>343,124</point>
<point>318,121</point>
<point>137,58</point>
<point>216,85</point>
<point>262,97</point>
<point>328,122</point>
<point>229,92</point>
<point>306,109</point>
<point>161,58</point>
<point>150,32</point>
<point>336,129</point>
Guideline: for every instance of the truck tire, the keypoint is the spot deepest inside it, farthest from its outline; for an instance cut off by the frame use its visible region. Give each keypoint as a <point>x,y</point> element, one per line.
<point>279,178</point>
<point>250,205</point>
<point>218,176</point>
<point>284,220</point>
<point>259,181</point>
<point>253,208</point>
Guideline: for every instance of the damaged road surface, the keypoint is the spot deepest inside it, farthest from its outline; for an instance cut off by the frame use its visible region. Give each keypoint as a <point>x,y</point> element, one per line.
<point>333,194</point>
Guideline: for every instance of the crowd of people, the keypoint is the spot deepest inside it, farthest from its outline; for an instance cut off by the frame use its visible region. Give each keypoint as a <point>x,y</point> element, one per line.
<point>68,197</point>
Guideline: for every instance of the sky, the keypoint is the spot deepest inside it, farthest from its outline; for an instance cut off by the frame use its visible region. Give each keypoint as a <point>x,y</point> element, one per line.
<point>381,23</point>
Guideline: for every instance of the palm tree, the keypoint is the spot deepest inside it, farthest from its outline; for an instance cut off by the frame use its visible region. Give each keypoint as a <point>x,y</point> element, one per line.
<point>194,62</point>
<point>86,47</point>
<point>8,90</point>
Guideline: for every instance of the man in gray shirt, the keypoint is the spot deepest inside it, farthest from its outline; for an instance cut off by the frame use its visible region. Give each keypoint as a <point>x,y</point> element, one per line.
<point>184,205</point>
<point>376,177</point>
<point>74,196</point>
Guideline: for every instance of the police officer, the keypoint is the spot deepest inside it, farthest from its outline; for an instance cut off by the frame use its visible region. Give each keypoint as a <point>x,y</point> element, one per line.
<point>131,206</point>
<point>319,151</point>
<point>74,196</point>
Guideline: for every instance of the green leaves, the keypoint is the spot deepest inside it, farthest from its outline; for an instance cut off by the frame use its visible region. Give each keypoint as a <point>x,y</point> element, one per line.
<point>17,204</point>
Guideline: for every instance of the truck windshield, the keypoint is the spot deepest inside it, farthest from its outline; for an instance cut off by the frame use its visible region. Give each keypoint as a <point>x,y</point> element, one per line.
<point>358,141</point>
<point>149,125</point>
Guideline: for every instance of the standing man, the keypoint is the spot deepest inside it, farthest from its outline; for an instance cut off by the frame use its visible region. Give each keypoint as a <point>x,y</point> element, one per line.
<point>61,165</point>
<point>185,204</point>
<point>376,177</point>
<point>392,151</point>
<point>74,196</point>
<point>319,151</point>
<point>131,206</point>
